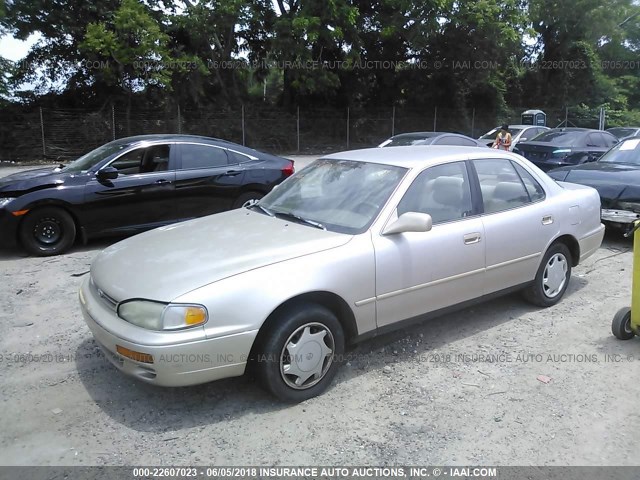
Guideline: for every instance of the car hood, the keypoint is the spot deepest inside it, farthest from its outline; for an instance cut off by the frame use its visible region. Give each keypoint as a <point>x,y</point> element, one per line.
<point>32,180</point>
<point>170,261</point>
<point>614,181</point>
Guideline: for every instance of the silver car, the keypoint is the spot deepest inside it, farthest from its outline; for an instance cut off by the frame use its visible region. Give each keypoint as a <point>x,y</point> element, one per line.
<point>355,244</point>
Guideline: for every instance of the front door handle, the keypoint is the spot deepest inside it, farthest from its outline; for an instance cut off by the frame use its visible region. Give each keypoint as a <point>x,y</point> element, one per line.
<point>162,181</point>
<point>471,238</point>
<point>232,173</point>
<point>547,220</point>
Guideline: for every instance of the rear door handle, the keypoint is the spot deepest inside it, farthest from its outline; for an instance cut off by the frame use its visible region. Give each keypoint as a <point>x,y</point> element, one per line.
<point>471,238</point>
<point>547,220</point>
<point>232,173</point>
<point>162,181</point>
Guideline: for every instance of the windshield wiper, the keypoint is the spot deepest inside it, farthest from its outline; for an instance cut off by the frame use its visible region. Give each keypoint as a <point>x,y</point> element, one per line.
<point>265,210</point>
<point>299,219</point>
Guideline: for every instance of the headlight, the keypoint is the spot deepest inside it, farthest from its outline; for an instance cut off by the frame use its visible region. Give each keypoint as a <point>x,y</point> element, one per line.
<point>162,316</point>
<point>6,200</point>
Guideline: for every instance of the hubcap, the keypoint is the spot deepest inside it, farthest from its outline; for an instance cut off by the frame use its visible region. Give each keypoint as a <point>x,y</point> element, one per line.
<point>627,325</point>
<point>307,356</point>
<point>249,203</point>
<point>47,231</point>
<point>555,275</point>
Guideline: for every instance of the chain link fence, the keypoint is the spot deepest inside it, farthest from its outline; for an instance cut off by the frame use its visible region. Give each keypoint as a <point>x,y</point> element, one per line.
<point>59,135</point>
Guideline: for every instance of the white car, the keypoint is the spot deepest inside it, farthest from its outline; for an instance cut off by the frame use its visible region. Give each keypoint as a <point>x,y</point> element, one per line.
<point>355,244</point>
<point>519,133</point>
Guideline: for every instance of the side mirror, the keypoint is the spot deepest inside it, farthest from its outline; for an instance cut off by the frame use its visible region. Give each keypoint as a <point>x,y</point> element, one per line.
<point>410,222</point>
<point>107,173</point>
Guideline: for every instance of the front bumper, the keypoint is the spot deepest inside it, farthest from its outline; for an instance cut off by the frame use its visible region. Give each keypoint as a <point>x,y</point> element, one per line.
<point>619,216</point>
<point>174,364</point>
<point>8,228</point>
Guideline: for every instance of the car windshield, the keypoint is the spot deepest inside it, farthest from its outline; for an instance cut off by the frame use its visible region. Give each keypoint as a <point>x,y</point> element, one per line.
<point>493,133</point>
<point>627,152</point>
<point>622,132</point>
<point>560,137</point>
<point>94,157</point>
<point>406,140</point>
<point>339,195</point>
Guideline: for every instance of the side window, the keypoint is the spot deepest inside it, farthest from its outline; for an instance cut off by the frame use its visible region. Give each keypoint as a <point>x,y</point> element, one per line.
<point>202,156</point>
<point>441,191</point>
<point>450,140</point>
<point>235,157</point>
<point>594,140</point>
<point>534,189</point>
<point>609,140</point>
<point>143,160</point>
<point>501,186</point>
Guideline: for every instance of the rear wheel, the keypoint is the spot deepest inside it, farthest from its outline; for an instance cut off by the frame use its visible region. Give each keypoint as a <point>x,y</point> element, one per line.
<point>47,231</point>
<point>299,356</point>
<point>552,278</point>
<point>621,325</point>
<point>247,199</point>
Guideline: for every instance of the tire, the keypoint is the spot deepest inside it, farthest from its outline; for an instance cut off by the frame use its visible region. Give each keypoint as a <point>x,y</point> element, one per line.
<point>621,324</point>
<point>47,231</point>
<point>246,199</point>
<point>320,354</point>
<point>549,286</point>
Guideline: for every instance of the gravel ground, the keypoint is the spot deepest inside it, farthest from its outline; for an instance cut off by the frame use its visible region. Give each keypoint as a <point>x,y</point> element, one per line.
<point>463,389</point>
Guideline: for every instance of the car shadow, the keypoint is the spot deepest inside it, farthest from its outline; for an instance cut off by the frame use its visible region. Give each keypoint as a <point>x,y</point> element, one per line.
<point>148,408</point>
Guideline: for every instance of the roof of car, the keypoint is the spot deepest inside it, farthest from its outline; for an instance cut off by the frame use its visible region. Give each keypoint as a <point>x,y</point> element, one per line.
<point>409,156</point>
<point>167,136</point>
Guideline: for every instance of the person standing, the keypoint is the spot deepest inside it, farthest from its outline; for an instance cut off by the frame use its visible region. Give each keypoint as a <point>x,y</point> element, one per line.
<point>503,140</point>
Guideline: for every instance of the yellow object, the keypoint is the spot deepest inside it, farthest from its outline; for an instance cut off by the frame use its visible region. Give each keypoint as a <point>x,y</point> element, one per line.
<point>195,316</point>
<point>635,285</point>
<point>133,355</point>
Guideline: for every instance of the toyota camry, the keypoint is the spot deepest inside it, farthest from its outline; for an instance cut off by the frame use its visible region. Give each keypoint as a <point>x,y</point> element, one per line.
<point>355,244</point>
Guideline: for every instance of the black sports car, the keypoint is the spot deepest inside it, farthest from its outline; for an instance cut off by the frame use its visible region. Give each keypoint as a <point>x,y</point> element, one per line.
<point>560,147</point>
<point>132,184</point>
<point>616,176</point>
<point>431,138</point>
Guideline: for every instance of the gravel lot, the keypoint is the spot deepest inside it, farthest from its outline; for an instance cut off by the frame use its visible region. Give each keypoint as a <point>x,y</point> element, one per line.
<point>425,395</point>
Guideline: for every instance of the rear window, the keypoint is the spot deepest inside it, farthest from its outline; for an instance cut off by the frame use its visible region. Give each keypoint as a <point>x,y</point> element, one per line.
<point>560,137</point>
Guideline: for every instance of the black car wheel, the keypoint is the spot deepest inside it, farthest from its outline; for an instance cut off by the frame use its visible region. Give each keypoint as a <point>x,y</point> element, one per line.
<point>621,324</point>
<point>552,277</point>
<point>47,231</point>
<point>247,199</point>
<point>299,356</point>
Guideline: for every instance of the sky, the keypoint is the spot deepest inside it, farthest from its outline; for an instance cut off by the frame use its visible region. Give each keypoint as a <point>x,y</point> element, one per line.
<point>14,49</point>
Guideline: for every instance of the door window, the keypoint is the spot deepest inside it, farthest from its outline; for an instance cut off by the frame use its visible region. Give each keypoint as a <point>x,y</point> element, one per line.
<point>500,185</point>
<point>534,189</point>
<point>202,156</point>
<point>441,191</point>
<point>143,160</point>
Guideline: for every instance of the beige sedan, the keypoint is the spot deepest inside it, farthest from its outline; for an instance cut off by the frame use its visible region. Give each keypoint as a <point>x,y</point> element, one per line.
<point>357,243</point>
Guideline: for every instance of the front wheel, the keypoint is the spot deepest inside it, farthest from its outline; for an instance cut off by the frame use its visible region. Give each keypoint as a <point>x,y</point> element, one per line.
<point>47,231</point>
<point>552,277</point>
<point>621,324</point>
<point>299,356</point>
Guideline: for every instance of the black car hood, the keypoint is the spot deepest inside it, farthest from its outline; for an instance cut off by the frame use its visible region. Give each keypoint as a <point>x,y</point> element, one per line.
<point>29,180</point>
<point>614,181</point>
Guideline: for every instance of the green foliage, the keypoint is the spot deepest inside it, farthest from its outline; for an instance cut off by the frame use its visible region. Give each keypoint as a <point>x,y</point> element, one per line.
<point>450,53</point>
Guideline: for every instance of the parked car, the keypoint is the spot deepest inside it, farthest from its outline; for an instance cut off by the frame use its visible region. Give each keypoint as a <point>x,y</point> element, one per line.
<point>430,138</point>
<point>356,244</point>
<point>624,132</point>
<point>559,147</point>
<point>616,176</point>
<point>519,133</point>
<point>130,185</point>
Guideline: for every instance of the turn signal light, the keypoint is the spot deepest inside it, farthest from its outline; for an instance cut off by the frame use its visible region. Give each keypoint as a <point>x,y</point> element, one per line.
<point>133,355</point>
